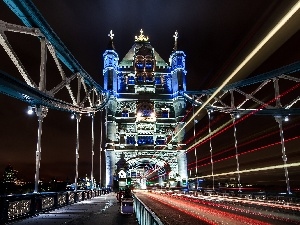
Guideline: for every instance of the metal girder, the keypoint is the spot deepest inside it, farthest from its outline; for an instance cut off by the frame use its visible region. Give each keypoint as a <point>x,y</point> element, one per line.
<point>31,17</point>
<point>10,52</point>
<point>289,69</point>
<point>19,90</point>
<point>92,99</point>
<point>89,99</point>
<point>259,107</point>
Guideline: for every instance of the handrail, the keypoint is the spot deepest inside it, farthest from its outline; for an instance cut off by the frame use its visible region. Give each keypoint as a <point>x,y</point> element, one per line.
<point>21,206</point>
<point>144,215</point>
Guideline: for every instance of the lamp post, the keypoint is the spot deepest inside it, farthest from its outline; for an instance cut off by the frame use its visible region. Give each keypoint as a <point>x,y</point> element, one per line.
<point>41,113</point>
<point>78,117</point>
<point>92,169</point>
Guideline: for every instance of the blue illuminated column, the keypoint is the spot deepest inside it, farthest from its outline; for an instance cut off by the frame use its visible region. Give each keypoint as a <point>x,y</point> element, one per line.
<point>178,72</point>
<point>178,77</point>
<point>111,63</point>
<point>110,71</point>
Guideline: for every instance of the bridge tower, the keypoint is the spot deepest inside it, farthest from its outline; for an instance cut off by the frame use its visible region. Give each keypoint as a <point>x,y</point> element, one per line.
<point>144,114</point>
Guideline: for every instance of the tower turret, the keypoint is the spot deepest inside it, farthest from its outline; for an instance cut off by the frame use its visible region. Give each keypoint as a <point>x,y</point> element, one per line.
<point>110,70</point>
<point>177,64</point>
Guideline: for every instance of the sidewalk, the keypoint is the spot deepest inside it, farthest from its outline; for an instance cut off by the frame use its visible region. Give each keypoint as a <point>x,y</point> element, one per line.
<point>99,210</point>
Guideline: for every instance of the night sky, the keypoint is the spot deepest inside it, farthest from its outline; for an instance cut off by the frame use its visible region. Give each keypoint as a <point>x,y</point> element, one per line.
<point>214,35</point>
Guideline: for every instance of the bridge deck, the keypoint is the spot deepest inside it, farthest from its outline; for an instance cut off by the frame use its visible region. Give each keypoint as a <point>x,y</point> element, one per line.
<point>104,209</point>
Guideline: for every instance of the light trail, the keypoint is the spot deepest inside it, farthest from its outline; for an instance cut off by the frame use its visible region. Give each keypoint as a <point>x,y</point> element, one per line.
<point>248,142</point>
<point>231,148</point>
<point>273,31</point>
<point>203,129</point>
<point>250,151</point>
<point>186,114</point>
<point>219,130</point>
<point>207,211</point>
<point>253,170</point>
<point>242,118</point>
<point>212,133</point>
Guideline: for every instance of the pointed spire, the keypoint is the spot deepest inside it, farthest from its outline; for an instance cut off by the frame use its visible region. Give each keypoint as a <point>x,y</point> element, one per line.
<point>111,35</point>
<point>111,43</point>
<point>175,37</point>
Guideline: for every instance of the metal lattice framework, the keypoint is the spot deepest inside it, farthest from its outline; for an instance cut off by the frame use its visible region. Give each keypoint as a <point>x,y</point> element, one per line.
<point>94,97</point>
<point>245,96</point>
<point>84,94</point>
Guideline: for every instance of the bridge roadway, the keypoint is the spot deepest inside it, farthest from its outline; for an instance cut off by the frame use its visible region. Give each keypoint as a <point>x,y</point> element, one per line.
<point>103,209</point>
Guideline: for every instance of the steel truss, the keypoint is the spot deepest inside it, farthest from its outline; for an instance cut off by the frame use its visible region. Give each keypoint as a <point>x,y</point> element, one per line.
<point>242,97</point>
<point>86,97</point>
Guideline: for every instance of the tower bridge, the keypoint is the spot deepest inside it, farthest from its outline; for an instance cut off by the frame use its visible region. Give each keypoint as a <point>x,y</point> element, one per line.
<point>148,110</point>
<point>144,97</point>
<point>142,112</point>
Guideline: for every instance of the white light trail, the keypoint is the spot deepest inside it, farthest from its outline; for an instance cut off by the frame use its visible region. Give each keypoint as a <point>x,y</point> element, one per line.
<point>267,38</point>
<point>254,170</point>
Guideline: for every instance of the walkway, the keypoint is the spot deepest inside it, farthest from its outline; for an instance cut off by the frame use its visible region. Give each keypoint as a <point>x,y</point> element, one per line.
<point>99,210</point>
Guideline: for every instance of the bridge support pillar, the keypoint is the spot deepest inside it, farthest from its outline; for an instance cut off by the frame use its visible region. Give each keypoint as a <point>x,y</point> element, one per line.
<point>182,166</point>
<point>110,167</point>
<point>284,158</point>
<point>92,163</point>
<point>78,117</point>
<point>41,113</point>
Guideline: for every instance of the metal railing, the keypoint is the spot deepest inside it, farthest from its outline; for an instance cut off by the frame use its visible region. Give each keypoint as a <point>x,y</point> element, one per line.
<point>15,207</point>
<point>144,215</point>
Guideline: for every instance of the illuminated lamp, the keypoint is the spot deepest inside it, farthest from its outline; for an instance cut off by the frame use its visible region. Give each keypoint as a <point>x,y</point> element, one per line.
<point>30,110</point>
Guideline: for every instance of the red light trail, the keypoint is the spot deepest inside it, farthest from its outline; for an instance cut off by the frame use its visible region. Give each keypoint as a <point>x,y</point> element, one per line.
<point>249,151</point>
<point>209,212</point>
<point>243,144</point>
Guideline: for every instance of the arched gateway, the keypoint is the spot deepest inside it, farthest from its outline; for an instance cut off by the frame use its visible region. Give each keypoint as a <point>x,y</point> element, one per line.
<point>144,114</point>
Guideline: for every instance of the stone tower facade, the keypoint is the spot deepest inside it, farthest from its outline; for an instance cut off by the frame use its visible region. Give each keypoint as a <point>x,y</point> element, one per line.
<point>144,114</point>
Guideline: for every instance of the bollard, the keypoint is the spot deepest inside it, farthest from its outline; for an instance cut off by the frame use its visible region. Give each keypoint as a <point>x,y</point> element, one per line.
<point>56,200</point>
<point>4,203</point>
<point>33,205</point>
<point>76,197</point>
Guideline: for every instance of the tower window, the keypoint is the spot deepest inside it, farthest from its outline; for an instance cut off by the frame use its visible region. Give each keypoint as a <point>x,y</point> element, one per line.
<point>139,65</point>
<point>125,113</point>
<point>165,114</point>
